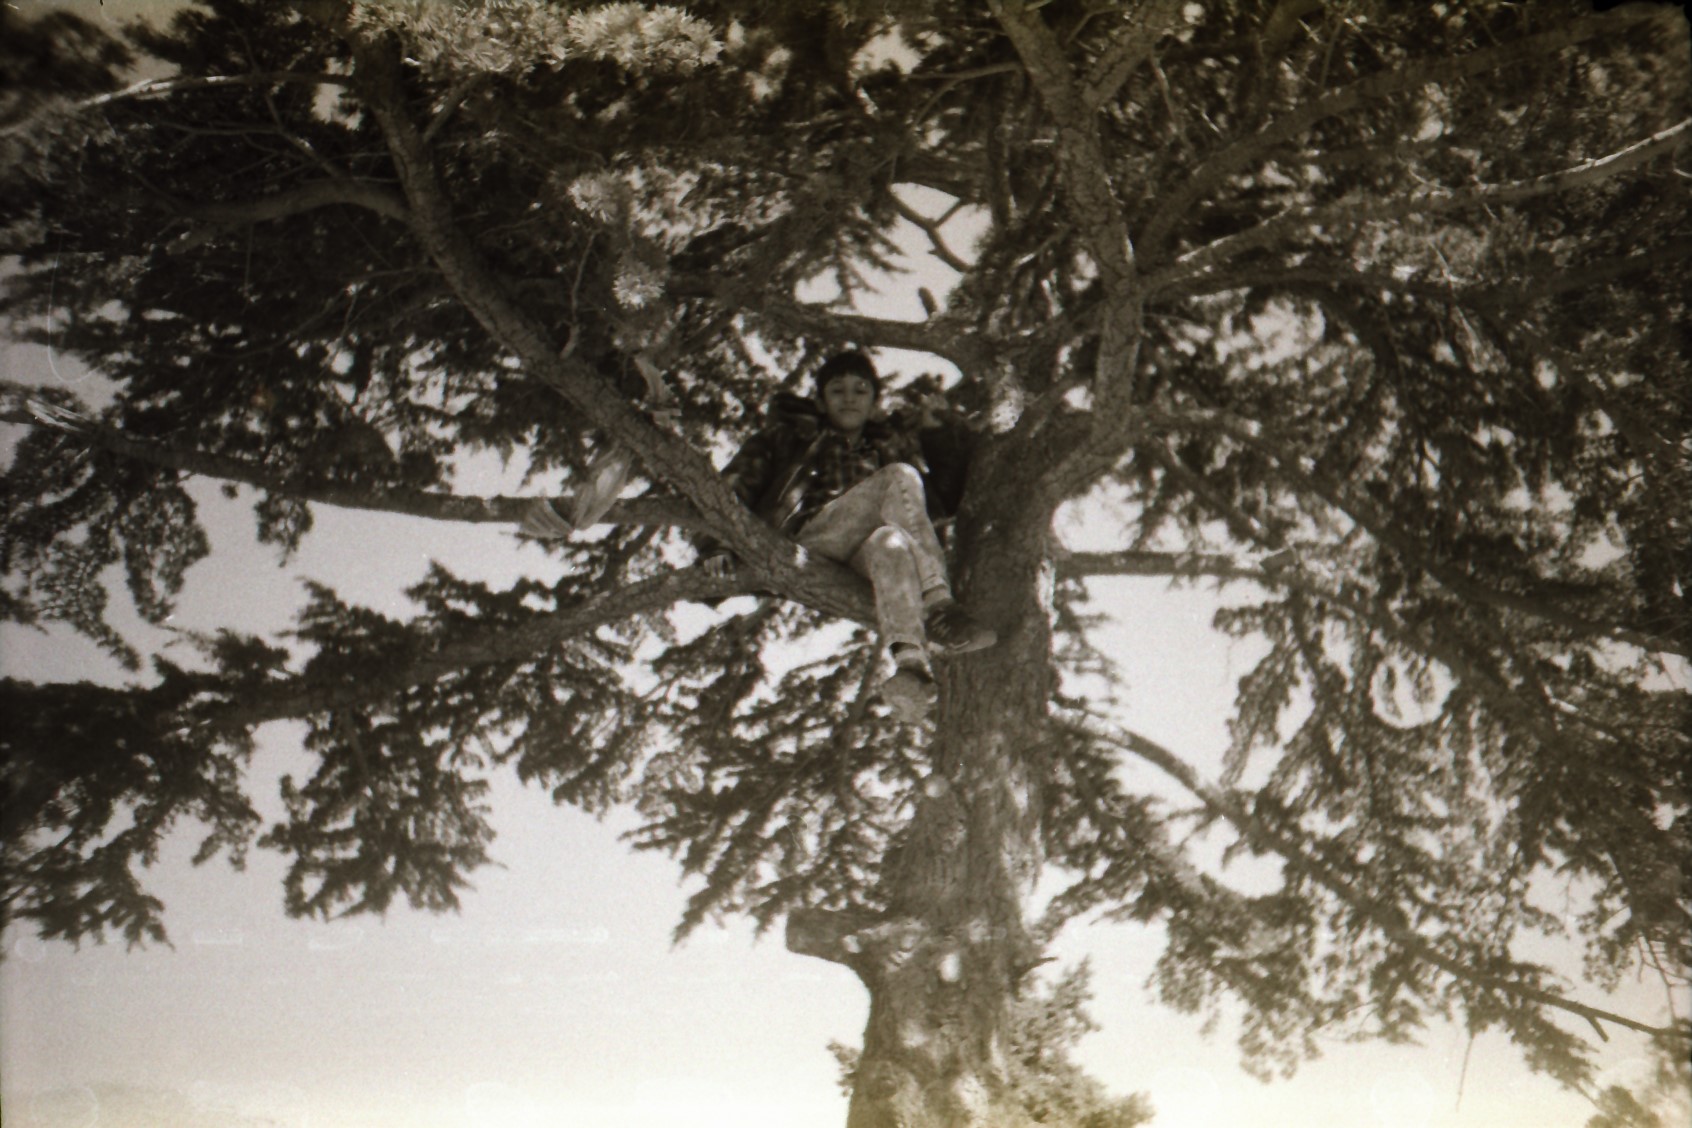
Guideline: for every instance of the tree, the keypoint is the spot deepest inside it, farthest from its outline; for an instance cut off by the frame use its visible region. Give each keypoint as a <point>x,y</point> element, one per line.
<point>1372,311</point>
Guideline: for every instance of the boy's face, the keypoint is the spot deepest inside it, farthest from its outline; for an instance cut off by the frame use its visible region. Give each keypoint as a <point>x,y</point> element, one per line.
<point>848,401</point>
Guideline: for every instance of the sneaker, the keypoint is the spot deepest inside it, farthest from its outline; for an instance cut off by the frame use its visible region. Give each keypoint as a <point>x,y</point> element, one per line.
<point>910,692</point>
<point>951,630</point>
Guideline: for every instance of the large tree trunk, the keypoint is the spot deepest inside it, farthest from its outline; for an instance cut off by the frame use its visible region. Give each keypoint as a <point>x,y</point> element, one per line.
<point>945,961</point>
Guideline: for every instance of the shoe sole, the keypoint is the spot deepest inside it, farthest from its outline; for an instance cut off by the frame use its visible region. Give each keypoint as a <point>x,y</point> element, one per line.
<point>979,642</point>
<point>909,697</point>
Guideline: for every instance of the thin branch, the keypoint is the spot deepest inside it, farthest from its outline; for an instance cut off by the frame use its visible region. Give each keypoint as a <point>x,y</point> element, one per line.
<point>1424,202</point>
<point>1276,838</point>
<point>307,694</point>
<point>427,504</point>
<point>931,228</point>
<point>296,201</point>
<point>299,143</point>
<point>1242,524</point>
<point>966,74</point>
<point>158,87</point>
<point>454,99</point>
<point>1177,119</point>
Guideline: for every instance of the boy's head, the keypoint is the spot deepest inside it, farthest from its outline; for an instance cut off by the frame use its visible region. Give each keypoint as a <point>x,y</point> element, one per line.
<point>847,389</point>
<point>847,364</point>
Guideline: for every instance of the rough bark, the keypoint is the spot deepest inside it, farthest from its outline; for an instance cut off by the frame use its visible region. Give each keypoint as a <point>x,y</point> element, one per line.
<point>946,959</point>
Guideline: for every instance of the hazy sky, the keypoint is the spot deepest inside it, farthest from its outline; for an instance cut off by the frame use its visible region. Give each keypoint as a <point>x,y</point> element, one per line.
<point>555,998</point>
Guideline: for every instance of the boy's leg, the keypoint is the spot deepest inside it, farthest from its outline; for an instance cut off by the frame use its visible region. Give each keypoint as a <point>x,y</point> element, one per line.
<point>892,496</point>
<point>904,505</point>
<point>851,529</point>
<point>886,560</point>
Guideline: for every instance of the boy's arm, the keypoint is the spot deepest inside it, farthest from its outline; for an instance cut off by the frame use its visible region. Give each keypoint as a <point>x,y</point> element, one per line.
<point>947,441</point>
<point>747,474</point>
<point>749,471</point>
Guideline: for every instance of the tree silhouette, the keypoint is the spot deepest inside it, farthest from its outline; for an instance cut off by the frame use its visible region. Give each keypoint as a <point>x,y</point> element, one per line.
<point>1374,312</point>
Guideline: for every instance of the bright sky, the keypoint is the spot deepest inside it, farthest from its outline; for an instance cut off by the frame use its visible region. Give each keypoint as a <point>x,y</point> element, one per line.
<point>555,998</point>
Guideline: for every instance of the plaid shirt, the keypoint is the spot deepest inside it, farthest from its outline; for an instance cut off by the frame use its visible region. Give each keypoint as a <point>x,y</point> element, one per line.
<point>796,463</point>
<point>837,464</point>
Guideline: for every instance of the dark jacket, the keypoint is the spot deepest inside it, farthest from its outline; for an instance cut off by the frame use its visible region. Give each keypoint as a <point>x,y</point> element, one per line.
<point>771,473</point>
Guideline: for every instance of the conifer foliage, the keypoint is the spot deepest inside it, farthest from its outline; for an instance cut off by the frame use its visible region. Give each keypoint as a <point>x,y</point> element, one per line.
<point>1375,313</point>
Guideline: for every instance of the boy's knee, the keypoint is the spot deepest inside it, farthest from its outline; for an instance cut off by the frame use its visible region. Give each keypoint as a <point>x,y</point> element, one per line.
<point>903,474</point>
<point>887,540</point>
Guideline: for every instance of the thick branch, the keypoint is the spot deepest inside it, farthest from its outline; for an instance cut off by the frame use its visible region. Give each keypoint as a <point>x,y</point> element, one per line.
<point>1092,201</point>
<point>932,337</point>
<point>665,455</point>
<point>830,935</point>
<point>1260,833</point>
<point>1128,50</point>
<point>1098,217</point>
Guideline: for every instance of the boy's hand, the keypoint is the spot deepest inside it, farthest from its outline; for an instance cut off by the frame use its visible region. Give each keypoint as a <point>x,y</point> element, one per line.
<point>930,410</point>
<point>924,403</point>
<point>718,565</point>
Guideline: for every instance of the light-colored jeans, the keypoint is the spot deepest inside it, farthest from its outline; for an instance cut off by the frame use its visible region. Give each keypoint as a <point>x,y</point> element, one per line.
<point>880,528</point>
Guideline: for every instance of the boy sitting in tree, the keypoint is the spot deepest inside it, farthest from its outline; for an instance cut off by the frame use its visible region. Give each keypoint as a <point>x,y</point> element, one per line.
<point>860,490</point>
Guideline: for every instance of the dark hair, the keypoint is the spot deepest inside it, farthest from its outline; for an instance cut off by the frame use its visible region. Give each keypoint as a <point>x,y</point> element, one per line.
<point>848,364</point>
